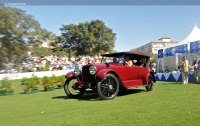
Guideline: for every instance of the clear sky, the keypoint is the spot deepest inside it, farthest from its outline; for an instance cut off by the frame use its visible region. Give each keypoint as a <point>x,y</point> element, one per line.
<point>134,25</point>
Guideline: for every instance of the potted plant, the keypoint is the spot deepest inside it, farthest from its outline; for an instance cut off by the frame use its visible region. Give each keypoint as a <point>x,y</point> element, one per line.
<point>36,85</point>
<point>54,79</point>
<point>6,87</point>
<point>30,84</point>
<point>23,80</point>
<point>61,81</point>
<point>48,83</point>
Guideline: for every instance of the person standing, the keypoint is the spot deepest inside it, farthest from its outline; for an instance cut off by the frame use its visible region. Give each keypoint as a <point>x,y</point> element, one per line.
<point>196,67</point>
<point>185,66</point>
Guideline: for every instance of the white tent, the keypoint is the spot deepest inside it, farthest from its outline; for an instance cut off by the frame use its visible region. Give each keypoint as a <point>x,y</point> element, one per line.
<point>172,62</point>
<point>194,35</point>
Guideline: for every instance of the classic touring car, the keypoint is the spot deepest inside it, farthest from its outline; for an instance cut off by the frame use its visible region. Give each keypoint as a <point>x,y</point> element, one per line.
<point>108,78</point>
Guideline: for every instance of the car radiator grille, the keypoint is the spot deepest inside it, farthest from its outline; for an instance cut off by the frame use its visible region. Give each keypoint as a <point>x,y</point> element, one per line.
<point>86,76</point>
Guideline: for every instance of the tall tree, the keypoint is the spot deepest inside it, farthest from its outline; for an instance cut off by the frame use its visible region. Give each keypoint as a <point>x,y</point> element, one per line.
<point>45,36</point>
<point>104,38</point>
<point>153,57</point>
<point>87,38</point>
<point>17,29</point>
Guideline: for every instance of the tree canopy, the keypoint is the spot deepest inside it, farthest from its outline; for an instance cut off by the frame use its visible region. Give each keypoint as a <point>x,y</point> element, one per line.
<point>87,38</point>
<point>18,31</point>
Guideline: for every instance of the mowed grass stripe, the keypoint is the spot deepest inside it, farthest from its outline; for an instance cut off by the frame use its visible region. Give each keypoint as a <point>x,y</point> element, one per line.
<point>168,104</point>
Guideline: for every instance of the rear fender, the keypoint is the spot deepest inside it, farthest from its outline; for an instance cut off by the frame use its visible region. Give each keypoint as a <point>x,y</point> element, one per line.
<point>145,78</point>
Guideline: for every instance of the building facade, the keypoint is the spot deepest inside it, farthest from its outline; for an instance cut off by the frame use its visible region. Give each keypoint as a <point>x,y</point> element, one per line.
<point>155,45</point>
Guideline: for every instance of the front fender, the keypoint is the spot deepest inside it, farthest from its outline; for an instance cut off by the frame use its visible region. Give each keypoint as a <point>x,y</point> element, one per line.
<point>103,73</point>
<point>70,74</point>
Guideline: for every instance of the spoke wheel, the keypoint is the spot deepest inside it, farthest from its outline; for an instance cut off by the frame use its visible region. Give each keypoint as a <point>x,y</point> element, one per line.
<point>108,87</point>
<point>72,90</point>
<point>150,85</point>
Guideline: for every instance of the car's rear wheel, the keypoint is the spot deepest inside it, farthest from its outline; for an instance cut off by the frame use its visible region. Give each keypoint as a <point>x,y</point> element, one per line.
<point>72,90</point>
<point>108,87</point>
<point>150,85</point>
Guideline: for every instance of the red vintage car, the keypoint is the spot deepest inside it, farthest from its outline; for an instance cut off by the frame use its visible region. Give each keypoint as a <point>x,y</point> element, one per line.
<point>108,78</point>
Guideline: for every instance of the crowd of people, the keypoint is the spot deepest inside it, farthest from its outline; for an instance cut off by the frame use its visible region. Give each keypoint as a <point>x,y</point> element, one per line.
<point>53,63</point>
<point>50,63</point>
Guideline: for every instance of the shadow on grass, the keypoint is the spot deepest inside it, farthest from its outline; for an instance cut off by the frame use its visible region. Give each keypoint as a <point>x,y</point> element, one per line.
<point>130,91</point>
<point>60,97</point>
<point>93,96</point>
<point>42,90</point>
<point>89,96</point>
<point>59,88</point>
<point>22,93</point>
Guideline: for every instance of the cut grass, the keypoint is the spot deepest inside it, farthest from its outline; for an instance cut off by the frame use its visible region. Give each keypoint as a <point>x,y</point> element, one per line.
<point>168,104</point>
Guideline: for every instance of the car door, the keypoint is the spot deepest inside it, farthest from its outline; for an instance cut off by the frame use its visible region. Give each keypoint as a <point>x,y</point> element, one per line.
<point>132,72</point>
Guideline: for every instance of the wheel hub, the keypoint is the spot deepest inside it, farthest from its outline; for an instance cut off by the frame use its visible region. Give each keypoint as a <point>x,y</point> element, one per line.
<point>110,87</point>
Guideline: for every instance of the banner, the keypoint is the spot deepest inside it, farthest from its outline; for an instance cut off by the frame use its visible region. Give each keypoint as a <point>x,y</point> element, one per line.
<point>181,49</point>
<point>195,47</point>
<point>160,53</point>
<point>170,51</point>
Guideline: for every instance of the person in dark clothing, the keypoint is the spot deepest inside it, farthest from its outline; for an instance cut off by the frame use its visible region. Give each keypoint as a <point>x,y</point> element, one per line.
<point>196,67</point>
<point>143,62</point>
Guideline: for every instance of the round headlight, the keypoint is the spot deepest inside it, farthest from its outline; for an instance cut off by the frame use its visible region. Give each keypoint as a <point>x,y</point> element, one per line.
<point>92,70</point>
<point>77,71</point>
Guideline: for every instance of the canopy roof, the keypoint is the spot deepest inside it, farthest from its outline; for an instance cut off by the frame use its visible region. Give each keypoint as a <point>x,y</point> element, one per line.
<point>132,54</point>
<point>194,35</point>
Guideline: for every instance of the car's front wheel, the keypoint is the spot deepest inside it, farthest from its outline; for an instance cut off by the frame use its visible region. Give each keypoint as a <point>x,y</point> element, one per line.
<point>108,87</point>
<point>72,90</point>
<point>150,85</point>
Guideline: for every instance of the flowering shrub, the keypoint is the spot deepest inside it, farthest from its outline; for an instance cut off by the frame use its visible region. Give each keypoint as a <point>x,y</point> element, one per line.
<point>37,81</point>
<point>47,82</point>
<point>30,85</point>
<point>12,88</point>
<point>59,83</point>
<point>46,85</point>
<point>54,79</point>
<point>6,84</point>
<point>61,80</point>
<point>6,87</point>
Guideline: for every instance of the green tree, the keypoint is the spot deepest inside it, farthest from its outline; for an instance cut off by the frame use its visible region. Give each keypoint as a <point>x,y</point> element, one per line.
<point>39,51</point>
<point>87,38</point>
<point>17,29</point>
<point>153,57</point>
<point>45,35</point>
<point>18,32</point>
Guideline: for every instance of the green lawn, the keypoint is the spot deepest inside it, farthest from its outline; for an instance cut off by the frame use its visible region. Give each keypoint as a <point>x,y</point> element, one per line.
<point>169,104</point>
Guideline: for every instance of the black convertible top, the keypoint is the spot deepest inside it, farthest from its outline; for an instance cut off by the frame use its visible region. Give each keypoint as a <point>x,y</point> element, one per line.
<point>132,54</point>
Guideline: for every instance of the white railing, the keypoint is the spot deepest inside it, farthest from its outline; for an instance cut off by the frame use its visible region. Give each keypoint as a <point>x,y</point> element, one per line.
<point>38,74</point>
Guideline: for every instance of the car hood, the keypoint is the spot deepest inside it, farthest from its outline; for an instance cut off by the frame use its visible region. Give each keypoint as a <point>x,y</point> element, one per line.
<point>103,66</point>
